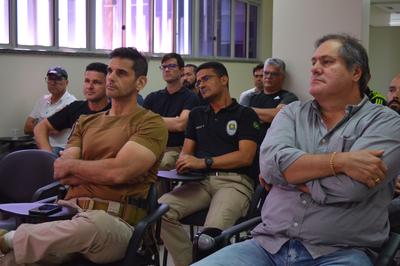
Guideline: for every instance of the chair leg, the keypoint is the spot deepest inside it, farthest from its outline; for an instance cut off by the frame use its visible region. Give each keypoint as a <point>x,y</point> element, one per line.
<point>165,257</point>
<point>191,233</point>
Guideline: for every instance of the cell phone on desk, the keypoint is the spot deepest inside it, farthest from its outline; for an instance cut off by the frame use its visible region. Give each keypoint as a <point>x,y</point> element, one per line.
<point>45,209</point>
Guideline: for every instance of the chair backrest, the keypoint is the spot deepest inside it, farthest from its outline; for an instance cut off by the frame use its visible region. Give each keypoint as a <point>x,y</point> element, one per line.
<point>152,198</point>
<point>23,172</point>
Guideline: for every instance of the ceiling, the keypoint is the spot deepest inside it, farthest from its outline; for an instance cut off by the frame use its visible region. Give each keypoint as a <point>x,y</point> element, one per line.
<point>388,6</point>
<point>385,13</point>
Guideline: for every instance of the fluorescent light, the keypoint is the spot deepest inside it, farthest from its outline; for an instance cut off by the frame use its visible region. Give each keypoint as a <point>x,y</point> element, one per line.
<point>394,19</point>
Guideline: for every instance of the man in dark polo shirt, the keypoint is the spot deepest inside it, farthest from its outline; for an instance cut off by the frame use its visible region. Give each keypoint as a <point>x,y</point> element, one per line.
<point>268,103</point>
<point>94,89</point>
<point>221,141</point>
<point>174,104</point>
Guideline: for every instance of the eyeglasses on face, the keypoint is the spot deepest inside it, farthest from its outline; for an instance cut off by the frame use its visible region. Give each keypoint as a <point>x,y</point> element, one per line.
<point>204,79</point>
<point>169,66</point>
<point>272,74</point>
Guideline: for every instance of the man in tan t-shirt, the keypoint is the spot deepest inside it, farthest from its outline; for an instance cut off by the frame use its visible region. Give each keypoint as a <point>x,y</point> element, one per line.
<point>110,156</point>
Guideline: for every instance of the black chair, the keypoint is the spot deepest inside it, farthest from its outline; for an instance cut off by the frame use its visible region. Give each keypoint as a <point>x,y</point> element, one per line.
<point>389,250</point>
<point>22,173</point>
<point>210,240</point>
<point>198,218</point>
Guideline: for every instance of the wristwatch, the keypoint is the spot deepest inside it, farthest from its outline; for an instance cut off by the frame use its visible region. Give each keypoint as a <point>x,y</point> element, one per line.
<point>209,162</point>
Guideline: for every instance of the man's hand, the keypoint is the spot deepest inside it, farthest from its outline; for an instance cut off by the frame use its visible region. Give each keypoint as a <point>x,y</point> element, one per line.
<point>62,168</point>
<point>63,173</point>
<point>365,166</point>
<point>186,162</point>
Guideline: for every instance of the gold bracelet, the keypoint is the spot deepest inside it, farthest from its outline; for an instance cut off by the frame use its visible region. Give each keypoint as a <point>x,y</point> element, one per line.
<point>332,164</point>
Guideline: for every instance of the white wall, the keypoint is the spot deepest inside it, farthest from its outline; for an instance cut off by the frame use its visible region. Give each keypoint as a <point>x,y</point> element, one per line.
<point>22,82</point>
<point>384,56</point>
<point>297,24</point>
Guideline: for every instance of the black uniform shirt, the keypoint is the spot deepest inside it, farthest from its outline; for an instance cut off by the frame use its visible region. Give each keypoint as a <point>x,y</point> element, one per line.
<point>219,133</point>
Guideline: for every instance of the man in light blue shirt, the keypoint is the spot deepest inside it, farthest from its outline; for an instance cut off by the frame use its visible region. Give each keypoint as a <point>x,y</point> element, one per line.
<point>330,164</point>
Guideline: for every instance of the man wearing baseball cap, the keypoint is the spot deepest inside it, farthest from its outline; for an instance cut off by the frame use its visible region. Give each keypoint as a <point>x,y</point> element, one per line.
<point>57,81</point>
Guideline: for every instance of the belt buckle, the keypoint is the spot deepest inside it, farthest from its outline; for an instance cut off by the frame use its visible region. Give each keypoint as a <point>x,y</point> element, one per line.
<point>114,207</point>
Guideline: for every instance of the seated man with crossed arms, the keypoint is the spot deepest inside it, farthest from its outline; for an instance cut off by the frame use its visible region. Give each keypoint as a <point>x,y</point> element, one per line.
<point>112,158</point>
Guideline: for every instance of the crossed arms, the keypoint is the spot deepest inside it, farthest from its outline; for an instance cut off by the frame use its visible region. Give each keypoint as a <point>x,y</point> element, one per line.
<point>69,169</point>
<point>360,160</point>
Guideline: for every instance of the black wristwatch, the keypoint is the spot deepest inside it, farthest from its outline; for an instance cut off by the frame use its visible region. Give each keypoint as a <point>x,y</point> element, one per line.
<point>209,162</point>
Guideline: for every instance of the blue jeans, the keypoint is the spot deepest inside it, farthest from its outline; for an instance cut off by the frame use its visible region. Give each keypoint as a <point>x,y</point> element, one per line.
<point>250,252</point>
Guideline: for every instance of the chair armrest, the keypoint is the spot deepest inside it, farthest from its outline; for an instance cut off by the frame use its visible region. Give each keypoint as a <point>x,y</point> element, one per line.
<point>227,234</point>
<point>50,190</point>
<point>211,239</point>
<point>388,250</point>
<point>140,229</point>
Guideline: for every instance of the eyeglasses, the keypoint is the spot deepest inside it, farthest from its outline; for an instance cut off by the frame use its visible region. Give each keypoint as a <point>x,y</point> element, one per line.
<point>204,79</point>
<point>53,79</point>
<point>272,74</point>
<point>169,66</point>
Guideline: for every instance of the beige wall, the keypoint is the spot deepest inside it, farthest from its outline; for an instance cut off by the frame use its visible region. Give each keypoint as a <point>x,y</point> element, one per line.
<point>384,55</point>
<point>297,24</point>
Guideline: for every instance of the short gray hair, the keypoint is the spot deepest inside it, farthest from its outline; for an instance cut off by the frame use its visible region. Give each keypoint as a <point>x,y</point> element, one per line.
<point>276,62</point>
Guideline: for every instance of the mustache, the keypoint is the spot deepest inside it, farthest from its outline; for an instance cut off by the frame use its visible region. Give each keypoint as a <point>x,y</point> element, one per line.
<point>393,101</point>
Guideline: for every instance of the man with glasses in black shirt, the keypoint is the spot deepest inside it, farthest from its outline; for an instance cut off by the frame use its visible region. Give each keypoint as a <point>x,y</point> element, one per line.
<point>173,103</point>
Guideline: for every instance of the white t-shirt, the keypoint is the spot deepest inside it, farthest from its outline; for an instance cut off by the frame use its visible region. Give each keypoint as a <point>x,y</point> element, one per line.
<point>43,109</point>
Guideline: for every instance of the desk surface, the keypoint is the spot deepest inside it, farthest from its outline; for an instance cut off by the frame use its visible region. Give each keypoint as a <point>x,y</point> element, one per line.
<point>172,175</point>
<point>22,210</point>
<point>25,138</point>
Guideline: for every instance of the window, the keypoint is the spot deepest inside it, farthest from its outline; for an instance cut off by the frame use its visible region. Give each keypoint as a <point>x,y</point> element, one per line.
<point>245,30</point>
<point>209,28</point>
<point>215,28</point>
<point>163,26</point>
<point>108,24</point>
<point>35,22</point>
<point>4,24</point>
<point>253,22</point>
<point>184,27</point>
<point>72,23</point>
<point>138,24</point>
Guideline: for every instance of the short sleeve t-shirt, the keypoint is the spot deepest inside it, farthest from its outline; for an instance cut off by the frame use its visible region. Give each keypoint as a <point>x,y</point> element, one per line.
<point>101,136</point>
<point>171,105</point>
